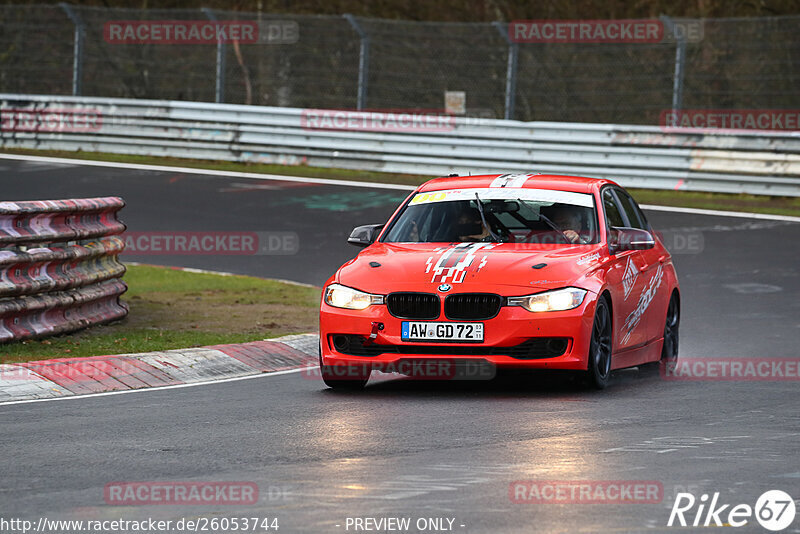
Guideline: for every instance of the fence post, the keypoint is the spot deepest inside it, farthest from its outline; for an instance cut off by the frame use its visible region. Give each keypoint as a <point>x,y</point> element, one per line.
<point>511,70</point>
<point>363,60</point>
<point>680,61</point>
<point>219,86</point>
<point>77,52</point>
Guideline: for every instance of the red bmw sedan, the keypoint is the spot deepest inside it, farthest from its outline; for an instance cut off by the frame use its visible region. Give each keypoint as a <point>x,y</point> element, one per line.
<point>512,271</point>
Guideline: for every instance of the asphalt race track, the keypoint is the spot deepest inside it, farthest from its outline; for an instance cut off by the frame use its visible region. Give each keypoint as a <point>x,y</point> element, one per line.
<point>419,450</point>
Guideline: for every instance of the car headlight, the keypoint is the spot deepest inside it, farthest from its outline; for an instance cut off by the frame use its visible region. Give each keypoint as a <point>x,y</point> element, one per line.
<point>340,296</point>
<point>556,300</point>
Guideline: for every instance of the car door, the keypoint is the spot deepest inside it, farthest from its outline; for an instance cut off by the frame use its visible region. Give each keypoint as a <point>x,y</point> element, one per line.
<point>653,298</point>
<point>625,280</point>
<point>656,292</point>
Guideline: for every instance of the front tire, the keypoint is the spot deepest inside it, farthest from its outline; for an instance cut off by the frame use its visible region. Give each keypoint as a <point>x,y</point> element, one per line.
<point>343,377</point>
<point>599,369</point>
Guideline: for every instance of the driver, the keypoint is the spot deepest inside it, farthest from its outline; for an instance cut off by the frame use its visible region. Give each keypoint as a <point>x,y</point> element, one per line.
<point>568,221</point>
<point>470,227</point>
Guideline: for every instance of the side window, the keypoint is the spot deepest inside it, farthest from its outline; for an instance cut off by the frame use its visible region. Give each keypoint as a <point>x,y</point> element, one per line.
<point>635,216</point>
<point>613,216</point>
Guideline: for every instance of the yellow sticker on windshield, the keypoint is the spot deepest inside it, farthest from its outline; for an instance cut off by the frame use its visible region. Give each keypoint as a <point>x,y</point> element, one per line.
<point>423,198</point>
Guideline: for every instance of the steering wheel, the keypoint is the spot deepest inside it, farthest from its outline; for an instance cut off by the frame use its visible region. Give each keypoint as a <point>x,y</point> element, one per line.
<point>501,233</point>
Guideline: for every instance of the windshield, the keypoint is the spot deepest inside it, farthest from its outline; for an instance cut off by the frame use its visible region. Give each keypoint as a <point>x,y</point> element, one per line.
<point>509,216</point>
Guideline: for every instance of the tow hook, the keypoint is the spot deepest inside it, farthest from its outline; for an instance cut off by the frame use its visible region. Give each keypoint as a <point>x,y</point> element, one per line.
<point>376,327</point>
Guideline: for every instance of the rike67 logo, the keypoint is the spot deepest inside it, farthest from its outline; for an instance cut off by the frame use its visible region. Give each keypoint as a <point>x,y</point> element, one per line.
<point>774,510</point>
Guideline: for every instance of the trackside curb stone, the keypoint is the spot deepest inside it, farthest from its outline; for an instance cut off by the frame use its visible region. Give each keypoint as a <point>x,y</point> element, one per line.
<point>63,377</point>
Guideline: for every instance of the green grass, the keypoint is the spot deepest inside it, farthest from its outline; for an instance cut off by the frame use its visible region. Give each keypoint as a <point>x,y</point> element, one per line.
<point>716,201</point>
<point>720,201</point>
<point>172,309</point>
<point>146,280</point>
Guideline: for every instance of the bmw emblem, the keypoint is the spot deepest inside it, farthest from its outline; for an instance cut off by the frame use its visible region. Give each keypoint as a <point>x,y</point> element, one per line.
<point>444,288</point>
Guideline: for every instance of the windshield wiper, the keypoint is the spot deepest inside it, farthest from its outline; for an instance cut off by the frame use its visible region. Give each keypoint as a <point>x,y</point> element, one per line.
<point>483,219</point>
<point>549,223</point>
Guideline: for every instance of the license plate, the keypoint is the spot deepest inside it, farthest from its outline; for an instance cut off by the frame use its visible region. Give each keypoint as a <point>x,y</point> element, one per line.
<point>423,331</point>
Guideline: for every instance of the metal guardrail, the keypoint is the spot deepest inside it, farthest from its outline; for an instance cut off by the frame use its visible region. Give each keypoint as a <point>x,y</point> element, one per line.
<point>755,162</point>
<point>58,266</point>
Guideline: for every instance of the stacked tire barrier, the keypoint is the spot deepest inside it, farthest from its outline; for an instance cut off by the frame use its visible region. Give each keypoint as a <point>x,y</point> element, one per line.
<point>729,161</point>
<point>59,270</point>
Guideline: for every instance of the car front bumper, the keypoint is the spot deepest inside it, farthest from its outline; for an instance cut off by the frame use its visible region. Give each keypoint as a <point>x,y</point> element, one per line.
<point>513,326</point>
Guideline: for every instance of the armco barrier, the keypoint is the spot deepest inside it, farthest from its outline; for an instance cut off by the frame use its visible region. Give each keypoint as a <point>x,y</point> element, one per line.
<point>58,266</point>
<point>752,161</point>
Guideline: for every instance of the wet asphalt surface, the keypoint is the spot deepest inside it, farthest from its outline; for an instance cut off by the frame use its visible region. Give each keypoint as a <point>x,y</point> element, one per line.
<point>410,449</point>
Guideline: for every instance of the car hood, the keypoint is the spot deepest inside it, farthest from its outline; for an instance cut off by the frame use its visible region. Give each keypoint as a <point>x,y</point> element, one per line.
<point>486,267</point>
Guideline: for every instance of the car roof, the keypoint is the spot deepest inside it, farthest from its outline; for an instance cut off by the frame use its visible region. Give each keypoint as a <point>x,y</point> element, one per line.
<point>575,184</point>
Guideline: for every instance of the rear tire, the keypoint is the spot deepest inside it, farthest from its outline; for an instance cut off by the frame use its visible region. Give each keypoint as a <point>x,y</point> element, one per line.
<point>669,350</point>
<point>343,377</point>
<point>599,370</point>
<point>669,347</point>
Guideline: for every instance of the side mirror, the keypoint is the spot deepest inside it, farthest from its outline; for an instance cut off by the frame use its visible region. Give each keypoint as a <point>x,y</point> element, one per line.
<point>622,239</point>
<point>364,236</point>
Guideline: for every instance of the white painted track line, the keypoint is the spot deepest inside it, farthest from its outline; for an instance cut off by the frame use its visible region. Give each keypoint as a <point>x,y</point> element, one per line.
<point>159,388</point>
<point>718,213</point>
<point>348,183</point>
<point>206,172</point>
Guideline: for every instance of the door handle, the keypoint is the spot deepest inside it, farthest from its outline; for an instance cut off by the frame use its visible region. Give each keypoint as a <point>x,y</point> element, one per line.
<point>661,259</point>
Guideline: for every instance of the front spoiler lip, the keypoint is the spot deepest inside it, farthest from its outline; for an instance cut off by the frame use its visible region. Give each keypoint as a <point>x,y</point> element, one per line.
<point>565,361</point>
